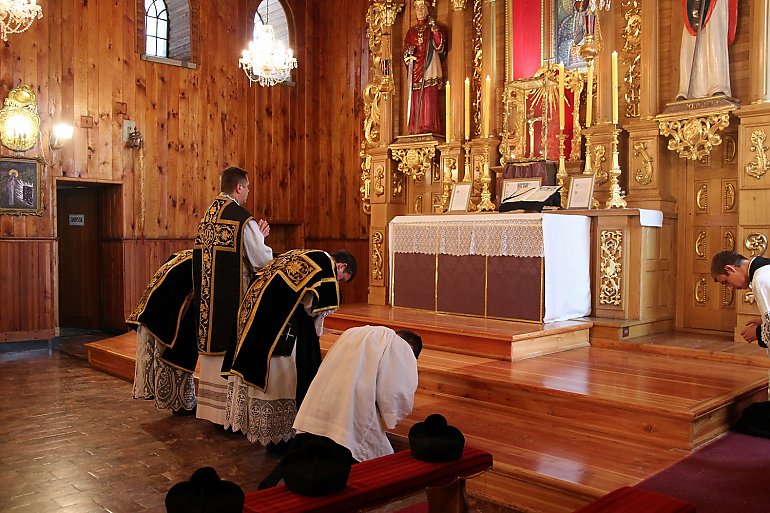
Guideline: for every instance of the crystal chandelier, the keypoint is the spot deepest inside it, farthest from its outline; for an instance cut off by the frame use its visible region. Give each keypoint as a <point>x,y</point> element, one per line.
<point>17,15</point>
<point>266,61</point>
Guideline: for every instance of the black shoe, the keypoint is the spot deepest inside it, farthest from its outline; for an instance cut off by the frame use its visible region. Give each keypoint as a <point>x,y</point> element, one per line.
<point>181,412</point>
<point>279,449</point>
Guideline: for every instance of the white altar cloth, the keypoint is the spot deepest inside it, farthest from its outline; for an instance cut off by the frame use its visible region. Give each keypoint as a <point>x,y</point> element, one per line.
<point>562,240</point>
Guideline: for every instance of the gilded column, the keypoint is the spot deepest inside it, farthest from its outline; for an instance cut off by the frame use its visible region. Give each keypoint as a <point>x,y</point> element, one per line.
<point>489,60</point>
<point>456,68</point>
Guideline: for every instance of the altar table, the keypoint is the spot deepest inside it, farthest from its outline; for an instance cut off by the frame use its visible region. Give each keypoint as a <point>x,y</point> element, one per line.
<point>531,267</point>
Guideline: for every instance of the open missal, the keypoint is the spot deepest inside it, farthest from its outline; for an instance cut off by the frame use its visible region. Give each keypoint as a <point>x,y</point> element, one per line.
<point>536,194</point>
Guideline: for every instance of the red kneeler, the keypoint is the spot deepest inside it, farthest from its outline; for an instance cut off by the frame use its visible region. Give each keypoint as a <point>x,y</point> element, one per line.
<point>379,481</point>
<point>637,500</point>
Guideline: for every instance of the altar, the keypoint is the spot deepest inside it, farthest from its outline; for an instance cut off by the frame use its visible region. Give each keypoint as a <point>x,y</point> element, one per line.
<point>530,267</point>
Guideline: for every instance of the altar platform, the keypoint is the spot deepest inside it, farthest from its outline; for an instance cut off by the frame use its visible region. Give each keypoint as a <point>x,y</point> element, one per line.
<point>567,427</point>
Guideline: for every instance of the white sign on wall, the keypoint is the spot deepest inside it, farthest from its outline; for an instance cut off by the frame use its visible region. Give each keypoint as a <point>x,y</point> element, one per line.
<point>77,219</point>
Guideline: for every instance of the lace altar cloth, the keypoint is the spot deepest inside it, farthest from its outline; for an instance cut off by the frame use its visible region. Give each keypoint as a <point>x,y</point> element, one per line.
<point>493,234</point>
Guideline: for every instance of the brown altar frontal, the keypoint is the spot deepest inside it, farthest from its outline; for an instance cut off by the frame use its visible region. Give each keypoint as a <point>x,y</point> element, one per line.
<point>504,287</point>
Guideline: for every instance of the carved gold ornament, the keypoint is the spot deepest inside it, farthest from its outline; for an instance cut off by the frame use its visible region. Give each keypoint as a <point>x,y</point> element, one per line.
<point>366,179</point>
<point>458,5</point>
<point>701,291</point>
<point>694,137</point>
<point>377,259</point>
<point>418,204</point>
<point>731,149</point>
<point>729,197</point>
<point>700,244</point>
<point>396,185</point>
<point>644,174</point>
<point>728,296</point>
<point>600,158</point>
<point>379,181</point>
<point>760,164</point>
<point>632,48</point>
<point>380,15</point>
<point>611,267</point>
<point>748,297</point>
<point>756,243</point>
<point>415,161</point>
<point>19,120</point>
<point>477,64</point>
<point>728,241</point>
<point>702,197</point>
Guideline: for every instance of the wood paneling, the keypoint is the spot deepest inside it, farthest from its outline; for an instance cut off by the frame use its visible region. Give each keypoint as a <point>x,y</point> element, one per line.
<point>26,279</point>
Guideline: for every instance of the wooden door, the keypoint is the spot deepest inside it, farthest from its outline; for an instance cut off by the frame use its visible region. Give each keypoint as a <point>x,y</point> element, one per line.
<point>710,226</point>
<point>79,228</point>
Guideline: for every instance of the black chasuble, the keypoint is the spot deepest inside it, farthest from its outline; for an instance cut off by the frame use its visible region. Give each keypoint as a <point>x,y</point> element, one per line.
<point>218,267</point>
<point>270,302</point>
<point>758,263</point>
<point>167,311</point>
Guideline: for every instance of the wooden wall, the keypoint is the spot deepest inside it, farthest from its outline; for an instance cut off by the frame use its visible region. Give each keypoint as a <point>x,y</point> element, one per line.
<point>299,143</point>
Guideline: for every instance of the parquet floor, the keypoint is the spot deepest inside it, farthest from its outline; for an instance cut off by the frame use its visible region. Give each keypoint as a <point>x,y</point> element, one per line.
<point>72,440</point>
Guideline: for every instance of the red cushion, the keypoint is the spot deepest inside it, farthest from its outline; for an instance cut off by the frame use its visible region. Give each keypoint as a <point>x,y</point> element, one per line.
<point>371,483</point>
<point>637,500</point>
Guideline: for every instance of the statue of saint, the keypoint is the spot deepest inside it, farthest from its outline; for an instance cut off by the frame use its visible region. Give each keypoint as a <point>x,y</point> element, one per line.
<point>704,63</point>
<point>424,48</point>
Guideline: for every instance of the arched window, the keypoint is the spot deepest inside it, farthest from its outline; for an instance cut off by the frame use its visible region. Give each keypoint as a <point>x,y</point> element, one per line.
<point>156,27</point>
<point>270,12</point>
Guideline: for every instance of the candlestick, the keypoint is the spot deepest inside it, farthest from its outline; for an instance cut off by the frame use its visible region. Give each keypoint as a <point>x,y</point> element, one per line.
<point>448,113</point>
<point>561,97</point>
<point>590,95</point>
<point>616,193</point>
<point>467,109</point>
<point>487,104</point>
<point>614,88</point>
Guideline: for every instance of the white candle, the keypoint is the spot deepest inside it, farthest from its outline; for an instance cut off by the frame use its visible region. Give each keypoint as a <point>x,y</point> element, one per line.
<point>448,113</point>
<point>561,97</point>
<point>487,104</point>
<point>590,95</point>
<point>467,109</point>
<point>614,88</point>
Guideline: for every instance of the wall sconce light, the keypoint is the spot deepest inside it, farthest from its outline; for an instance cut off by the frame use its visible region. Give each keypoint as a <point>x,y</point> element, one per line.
<point>134,139</point>
<point>19,121</point>
<point>60,134</point>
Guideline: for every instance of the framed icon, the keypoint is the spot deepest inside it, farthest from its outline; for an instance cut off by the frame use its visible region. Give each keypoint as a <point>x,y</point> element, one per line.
<point>581,192</point>
<point>21,186</point>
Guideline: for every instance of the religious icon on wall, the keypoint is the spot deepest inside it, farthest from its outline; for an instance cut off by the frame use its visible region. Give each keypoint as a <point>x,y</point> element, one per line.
<point>20,186</point>
<point>569,31</point>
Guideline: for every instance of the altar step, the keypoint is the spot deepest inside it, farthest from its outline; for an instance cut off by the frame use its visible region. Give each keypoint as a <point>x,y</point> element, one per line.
<point>476,336</point>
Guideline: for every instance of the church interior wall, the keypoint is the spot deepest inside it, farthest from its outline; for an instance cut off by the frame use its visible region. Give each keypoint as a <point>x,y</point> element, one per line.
<point>82,61</point>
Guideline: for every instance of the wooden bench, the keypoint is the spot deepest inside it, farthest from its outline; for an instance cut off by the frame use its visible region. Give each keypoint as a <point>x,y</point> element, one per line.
<point>379,481</point>
<point>637,500</point>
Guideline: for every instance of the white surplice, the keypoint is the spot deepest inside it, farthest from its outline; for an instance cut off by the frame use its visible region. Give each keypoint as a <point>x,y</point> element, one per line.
<point>365,384</point>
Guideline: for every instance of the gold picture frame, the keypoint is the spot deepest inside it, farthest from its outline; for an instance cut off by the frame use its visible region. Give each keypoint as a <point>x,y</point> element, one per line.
<point>581,192</point>
<point>460,199</point>
<point>513,187</point>
<point>21,186</point>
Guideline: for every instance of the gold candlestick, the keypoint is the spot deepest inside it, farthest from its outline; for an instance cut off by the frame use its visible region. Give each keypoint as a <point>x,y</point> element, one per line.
<point>449,164</point>
<point>588,170</point>
<point>485,205</point>
<point>561,175</point>
<point>616,193</point>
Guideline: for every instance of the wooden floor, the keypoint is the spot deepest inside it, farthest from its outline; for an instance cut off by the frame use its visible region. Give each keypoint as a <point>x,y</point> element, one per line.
<point>570,424</point>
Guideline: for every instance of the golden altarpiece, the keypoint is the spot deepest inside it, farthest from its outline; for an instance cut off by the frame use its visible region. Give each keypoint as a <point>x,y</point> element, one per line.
<point>702,162</point>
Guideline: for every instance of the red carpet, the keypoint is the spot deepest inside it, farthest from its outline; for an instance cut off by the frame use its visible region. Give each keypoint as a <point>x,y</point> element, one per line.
<point>731,474</point>
<point>420,507</point>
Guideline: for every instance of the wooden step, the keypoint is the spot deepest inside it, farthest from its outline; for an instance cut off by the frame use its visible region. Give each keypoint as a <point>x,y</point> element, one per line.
<point>489,338</point>
<point>540,465</point>
<point>115,355</point>
<point>627,329</point>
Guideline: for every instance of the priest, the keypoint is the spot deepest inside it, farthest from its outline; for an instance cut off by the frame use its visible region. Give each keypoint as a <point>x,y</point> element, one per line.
<point>229,248</point>
<point>165,320</point>
<point>278,352</point>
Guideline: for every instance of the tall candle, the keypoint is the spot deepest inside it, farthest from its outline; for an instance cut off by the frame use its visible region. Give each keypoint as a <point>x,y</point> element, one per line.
<point>467,109</point>
<point>487,104</point>
<point>614,88</point>
<point>590,94</point>
<point>561,97</point>
<point>448,112</point>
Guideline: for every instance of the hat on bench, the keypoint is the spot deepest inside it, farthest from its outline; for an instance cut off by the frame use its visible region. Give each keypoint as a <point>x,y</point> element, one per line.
<point>435,441</point>
<point>205,492</point>
<point>316,466</point>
